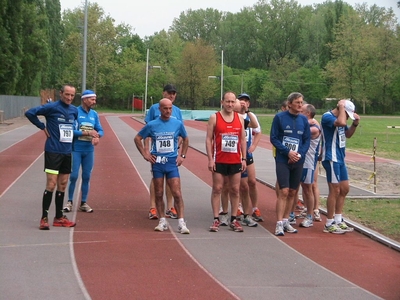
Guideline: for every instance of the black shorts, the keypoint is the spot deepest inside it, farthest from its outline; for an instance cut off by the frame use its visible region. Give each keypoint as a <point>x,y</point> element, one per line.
<point>228,169</point>
<point>56,163</point>
<point>289,175</point>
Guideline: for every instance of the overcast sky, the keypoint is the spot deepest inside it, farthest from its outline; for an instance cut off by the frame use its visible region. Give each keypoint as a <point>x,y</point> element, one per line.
<point>149,16</point>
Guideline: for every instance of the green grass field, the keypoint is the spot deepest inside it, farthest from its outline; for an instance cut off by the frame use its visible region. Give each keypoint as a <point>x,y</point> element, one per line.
<point>388,140</point>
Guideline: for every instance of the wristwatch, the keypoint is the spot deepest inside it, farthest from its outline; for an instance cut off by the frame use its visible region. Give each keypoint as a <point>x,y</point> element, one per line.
<point>244,158</point>
<point>183,155</point>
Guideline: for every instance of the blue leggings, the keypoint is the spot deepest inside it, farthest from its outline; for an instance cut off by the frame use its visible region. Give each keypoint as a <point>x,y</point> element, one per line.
<point>86,159</point>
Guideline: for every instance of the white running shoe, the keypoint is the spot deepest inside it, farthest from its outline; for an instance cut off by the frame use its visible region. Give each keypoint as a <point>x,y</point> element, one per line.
<point>183,229</point>
<point>162,225</point>
<point>279,230</point>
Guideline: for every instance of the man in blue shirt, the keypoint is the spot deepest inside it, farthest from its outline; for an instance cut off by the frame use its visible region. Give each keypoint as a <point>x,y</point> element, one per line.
<point>165,133</point>
<point>60,117</point>
<point>290,135</point>
<point>170,93</point>
<point>87,133</point>
<point>335,131</point>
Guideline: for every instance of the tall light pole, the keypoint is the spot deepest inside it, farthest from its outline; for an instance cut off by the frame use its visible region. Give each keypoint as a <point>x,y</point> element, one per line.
<point>222,73</point>
<point>84,47</point>
<point>147,79</point>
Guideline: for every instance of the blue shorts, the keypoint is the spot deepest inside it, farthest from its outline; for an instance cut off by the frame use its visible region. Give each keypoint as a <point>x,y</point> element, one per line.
<point>249,161</point>
<point>288,175</point>
<point>335,172</point>
<point>308,176</point>
<point>167,167</point>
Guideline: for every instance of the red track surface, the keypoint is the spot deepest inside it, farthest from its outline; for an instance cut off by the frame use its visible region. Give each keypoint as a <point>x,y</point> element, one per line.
<point>127,259</point>
<point>120,257</point>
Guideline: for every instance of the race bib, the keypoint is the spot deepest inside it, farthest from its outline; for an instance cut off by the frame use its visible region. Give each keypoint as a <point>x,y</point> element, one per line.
<point>66,133</point>
<point>248,133</point>
<point>229,143</point>
<point>291,143</point>
<point>86,126</point>
<point>165,143</point>
<point>342,139</point>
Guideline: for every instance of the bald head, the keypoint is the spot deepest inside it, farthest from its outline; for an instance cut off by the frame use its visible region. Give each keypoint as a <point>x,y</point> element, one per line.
<point>165,108</point>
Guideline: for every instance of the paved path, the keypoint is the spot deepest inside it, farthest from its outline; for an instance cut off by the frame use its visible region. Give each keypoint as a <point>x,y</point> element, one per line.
<point>115,254</point>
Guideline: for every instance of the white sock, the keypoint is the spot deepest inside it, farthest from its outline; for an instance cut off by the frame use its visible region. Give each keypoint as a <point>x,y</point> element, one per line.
<point>338,218</point>
<point>329,222</point>
<point>181,221</point>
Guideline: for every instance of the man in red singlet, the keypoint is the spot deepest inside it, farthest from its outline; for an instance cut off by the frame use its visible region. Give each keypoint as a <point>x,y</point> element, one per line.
<point>226,151</point>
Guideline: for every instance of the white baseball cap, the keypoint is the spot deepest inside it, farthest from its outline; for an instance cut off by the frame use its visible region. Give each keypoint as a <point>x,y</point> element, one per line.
<point>349,107</point>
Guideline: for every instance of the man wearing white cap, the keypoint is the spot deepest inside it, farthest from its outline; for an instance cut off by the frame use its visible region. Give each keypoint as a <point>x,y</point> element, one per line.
<point>87,133</point>
<point>335,131</point>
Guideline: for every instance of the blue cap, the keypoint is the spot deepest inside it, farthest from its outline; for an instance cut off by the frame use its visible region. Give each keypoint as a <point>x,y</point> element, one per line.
<point>244,95</point>
<point>88,94</point>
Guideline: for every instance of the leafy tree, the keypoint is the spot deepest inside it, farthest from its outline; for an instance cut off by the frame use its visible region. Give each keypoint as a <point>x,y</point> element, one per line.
<point>198,24</point>
<point>35,48</point>
<point>12,48</point>
<point>353,60</point>
<point>53,70</point>
<point>197,62</point>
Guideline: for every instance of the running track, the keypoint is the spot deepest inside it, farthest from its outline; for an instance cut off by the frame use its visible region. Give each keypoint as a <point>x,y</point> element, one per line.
<point>119,256</point>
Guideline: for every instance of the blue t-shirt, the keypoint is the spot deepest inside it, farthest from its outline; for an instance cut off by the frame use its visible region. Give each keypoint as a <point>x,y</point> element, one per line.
<point>290,132</point>
<point>164,136</point>
<point>86,121</point>
<point>60,118</point>
<point>154,112</point>
<point>334,138</point>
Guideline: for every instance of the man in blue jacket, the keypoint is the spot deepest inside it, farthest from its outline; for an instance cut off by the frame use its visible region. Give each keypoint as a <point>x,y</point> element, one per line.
<point>60,117</point>
<point>87,133</point>
<point>290,135</point>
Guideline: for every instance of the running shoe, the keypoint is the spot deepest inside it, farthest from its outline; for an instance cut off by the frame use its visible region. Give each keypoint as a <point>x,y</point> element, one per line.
<point>302,214</point>
<point>215,226</point>
<point>235,226</point>
<point>239,213</point>
<point>44,224</point>
<point>257,216</point>
<point>248,221</point>
<point>342,225</point>
<point>306,223</point>
<point>279,230</point>
<point>85,208</point>
<point>153,214</point>
<point>333,228</point>
<point>288,228</point>
<point>224,219</point>
<point>63,222</point>
<point>68,207</point>
<point>317,216</point>
<point>171,213</point>
<point>299,205</point>
<point>162,225</point>
<point>182,228</point>
<point>292,220</point>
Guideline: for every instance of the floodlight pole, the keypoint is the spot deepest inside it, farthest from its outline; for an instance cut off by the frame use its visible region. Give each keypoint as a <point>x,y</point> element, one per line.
<point>84,47</point>
<point>222,73</point>
<point>147,79</point>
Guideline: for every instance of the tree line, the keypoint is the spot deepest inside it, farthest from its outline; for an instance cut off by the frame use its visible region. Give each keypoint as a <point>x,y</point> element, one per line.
<point>270,49</point>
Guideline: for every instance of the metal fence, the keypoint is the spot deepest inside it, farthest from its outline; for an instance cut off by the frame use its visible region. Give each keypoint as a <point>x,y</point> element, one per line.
<point>15,106</point>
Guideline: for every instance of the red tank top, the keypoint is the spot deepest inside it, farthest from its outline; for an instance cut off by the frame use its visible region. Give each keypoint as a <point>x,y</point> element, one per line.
<point>227,140</point>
